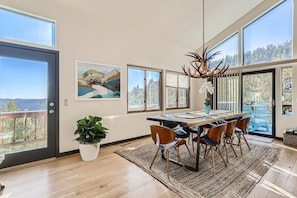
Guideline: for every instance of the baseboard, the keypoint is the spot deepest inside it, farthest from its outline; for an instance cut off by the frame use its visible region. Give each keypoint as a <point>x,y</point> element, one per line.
<point>103,145</point>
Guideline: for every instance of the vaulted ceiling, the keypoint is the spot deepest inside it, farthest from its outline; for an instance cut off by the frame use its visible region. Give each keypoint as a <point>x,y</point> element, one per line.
<point>179,21</point>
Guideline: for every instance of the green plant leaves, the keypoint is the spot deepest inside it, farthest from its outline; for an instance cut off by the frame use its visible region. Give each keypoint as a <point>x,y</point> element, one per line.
<point>90,129</point>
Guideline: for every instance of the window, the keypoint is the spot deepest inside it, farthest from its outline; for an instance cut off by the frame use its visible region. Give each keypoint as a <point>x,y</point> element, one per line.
<point>269,38</point>
<point>177,90</point>
<point>144,89</point>
<point>287,90</point>
<point>228,92</point>
<point>228,51</point>
<point>25,28</point>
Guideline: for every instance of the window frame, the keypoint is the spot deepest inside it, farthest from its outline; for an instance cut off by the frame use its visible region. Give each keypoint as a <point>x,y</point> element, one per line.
<point>177,90</point>
<point>145,69</point>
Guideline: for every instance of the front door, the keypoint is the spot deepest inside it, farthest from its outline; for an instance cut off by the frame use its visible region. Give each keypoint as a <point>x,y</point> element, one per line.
<point>28,104</point>
<point>258,98</point>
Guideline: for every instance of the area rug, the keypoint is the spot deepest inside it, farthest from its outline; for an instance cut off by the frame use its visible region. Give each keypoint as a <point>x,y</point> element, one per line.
<point>236,180</point>
<point>258,138</point>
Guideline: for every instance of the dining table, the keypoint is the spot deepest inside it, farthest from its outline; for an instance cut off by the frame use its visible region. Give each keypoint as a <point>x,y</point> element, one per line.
<point>198,119</point>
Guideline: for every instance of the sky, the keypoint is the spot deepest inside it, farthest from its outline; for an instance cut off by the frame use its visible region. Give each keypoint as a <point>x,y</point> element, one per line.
<point>26,28</point>
<point>21,78</point>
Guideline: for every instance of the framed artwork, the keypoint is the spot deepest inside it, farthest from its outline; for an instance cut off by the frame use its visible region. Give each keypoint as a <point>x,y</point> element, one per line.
<point>97,81</point>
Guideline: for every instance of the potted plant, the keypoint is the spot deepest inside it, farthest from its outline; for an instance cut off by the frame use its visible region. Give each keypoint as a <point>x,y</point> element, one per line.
<point>207,105</point>
<point>91,132</point>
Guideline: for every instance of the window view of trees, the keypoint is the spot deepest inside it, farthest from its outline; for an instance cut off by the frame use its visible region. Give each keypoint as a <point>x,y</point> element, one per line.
<point>228,51</point>
<point>177,90</point>
<point>287,89</point>
<point>269,38</point>
<point>20,127</point>
<point>144,89</point>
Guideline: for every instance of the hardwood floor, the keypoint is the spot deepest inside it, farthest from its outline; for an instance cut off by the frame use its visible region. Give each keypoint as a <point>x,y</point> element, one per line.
<point>112,176</point>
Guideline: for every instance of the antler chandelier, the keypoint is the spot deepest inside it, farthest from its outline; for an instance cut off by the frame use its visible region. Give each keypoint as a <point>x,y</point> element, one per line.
<point>201,66</point>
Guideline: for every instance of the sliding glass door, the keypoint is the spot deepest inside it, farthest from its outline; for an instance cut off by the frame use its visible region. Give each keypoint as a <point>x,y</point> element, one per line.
<point>258,98</point>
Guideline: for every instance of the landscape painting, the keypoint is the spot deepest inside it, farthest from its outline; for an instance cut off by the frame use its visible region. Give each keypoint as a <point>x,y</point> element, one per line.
<point>97,81</point>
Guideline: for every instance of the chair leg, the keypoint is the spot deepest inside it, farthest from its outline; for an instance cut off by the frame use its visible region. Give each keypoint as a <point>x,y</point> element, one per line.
<point>239,142</point>
<point>193,145</point>
<point>205,151</point>
<point>179,158</point>
<point>213,159</point>
<point>231,143</point>
<point>154,158</point>
<point>246,141</point>
<point>225,146</point>
<point>188,150</point>
<point>167,165</point>
<point>219,150</point>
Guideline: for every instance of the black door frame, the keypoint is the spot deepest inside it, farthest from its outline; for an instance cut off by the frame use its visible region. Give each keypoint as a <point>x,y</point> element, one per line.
<point>52,57</point>
<point>273,98</point>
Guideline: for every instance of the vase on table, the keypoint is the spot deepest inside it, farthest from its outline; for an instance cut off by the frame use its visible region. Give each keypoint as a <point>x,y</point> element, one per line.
<point>206,109</point>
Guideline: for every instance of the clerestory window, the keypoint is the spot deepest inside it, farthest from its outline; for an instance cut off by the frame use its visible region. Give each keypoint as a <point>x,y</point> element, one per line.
<point>26,28</point>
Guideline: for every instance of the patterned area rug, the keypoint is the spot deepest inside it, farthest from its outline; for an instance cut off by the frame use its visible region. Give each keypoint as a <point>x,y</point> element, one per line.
<point>236,180</point>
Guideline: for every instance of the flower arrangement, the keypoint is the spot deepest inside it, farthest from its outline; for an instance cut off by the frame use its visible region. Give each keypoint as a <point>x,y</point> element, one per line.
<point>206,88</point>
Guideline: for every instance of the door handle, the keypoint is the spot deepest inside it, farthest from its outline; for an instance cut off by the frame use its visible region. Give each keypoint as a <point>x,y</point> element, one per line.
<point>273,102</point>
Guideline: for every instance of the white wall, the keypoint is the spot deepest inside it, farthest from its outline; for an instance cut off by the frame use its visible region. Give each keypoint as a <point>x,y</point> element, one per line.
<point>118,34</point>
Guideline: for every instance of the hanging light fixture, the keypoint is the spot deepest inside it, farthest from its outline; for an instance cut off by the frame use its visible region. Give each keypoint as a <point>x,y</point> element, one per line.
<point>201,66</point>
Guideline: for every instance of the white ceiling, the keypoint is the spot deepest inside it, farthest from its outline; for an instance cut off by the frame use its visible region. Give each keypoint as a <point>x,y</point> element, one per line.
<point>179,21</point>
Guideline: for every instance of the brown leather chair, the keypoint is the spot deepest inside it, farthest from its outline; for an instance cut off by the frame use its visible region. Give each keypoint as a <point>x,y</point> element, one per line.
<point>165,139</point>
<point>240,130</point>
<point>228,137</point>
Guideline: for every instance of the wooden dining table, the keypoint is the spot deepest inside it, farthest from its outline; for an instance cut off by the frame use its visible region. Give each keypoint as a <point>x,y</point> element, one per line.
<point>197,118</point>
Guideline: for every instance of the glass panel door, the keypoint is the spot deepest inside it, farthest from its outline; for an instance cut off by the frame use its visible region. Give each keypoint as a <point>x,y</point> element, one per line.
<point>28,107</point>
<point>258,99</point>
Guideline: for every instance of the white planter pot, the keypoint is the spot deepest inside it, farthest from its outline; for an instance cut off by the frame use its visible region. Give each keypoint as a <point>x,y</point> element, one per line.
<point>89,152</point>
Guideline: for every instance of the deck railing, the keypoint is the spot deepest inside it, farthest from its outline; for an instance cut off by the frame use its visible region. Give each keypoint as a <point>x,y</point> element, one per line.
<point>22,127</point>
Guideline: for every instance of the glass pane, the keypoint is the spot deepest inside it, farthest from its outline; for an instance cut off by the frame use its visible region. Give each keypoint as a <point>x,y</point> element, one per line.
<point>135,90</point>
<point>227,92</point>
<point>26,28</point>
<point>257,97</point>
<point>171,79</point>
<point>171,98</point>
<point>287,90</point>
<point>23,104</point>
<point>228,51</point>
<point>270,37</point>
<point>182,98</point>
<point>153,90</point>
<point>183,81</point>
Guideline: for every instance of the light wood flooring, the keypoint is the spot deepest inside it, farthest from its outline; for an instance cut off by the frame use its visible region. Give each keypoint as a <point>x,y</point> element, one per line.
<point>112,176</point>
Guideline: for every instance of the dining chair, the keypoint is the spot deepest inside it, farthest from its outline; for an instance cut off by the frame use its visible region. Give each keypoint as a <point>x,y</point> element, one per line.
<point>229,136</point>
<point>241,130</point>
<point>180,132</point>
<point>198,130</point>
<point>165,139</point>
<point>213,139</point>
